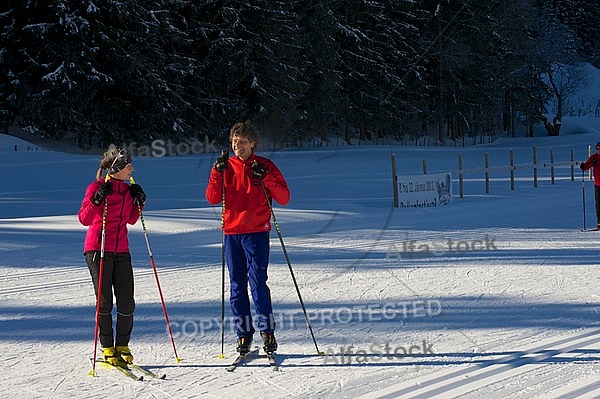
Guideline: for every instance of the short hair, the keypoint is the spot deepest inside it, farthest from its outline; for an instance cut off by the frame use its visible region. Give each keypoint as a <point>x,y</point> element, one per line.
<point>245,129</point>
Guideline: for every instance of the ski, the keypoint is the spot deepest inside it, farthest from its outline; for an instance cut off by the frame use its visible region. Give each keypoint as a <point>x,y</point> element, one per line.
<point>126,371</point>
<point>273,361</point>
<point>593,229</point>
<point>238,361</point>
<point>241,359</point>
<point>147,372</point>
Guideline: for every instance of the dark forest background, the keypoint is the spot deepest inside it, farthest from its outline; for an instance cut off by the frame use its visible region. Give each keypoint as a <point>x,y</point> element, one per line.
<point>119,71</point>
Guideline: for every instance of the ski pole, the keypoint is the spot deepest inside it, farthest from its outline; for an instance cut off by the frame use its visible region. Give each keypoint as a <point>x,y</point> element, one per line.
<point>583,195</point>
<point>287,258</point>
<point>222,355</point>
<point>162,300</point>
<point>99,288</point>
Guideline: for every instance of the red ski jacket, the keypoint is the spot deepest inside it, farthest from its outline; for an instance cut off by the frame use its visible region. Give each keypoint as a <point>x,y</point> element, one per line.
<point>246,207</point>
<point>120,212</point>
<point>593,162</point>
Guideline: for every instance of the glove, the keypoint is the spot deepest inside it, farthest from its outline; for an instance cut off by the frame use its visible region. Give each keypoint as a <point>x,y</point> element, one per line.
<point>139,196</point>
<point>221,162</point>
<point>258,171</point>
<point>581,165</point>
<point>104,189</point>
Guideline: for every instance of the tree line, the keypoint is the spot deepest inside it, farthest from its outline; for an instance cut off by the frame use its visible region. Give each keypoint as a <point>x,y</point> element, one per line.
<point>119,71</point>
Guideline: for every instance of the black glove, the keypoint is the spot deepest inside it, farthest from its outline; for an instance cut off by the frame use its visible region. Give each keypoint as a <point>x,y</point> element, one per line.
<point>104,189</point>
<point>221,162</point>
<point>258,171</point>
<point>139,196</point>
<point>581,165</point>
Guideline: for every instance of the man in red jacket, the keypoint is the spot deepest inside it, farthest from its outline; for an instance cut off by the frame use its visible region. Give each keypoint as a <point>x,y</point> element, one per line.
<point>594,162</point>
<point>247,223</point>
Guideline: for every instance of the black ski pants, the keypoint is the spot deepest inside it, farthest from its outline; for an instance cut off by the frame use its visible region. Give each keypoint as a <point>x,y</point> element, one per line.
<point>117,275</point>
<point>597,198</point>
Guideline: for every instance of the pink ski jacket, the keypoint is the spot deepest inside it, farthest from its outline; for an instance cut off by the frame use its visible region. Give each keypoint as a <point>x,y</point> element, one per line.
<point>120,212</point>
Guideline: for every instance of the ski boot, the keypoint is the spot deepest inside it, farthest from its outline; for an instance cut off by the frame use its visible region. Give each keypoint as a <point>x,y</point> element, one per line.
<point>111,356</point>
<point>269,342</point>
<point>125,354</point>
<point>243,345</point>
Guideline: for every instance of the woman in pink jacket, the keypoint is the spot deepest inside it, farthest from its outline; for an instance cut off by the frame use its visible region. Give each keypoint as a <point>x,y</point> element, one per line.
<point>122,200</point>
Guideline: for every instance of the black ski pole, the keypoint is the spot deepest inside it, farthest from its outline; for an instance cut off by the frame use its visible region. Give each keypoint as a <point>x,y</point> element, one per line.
<point>583,195</point>
<point>287,258</point>
<point>222,355</point>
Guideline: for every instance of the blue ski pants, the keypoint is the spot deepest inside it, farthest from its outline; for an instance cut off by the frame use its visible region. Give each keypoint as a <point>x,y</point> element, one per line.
<point>247,259</point>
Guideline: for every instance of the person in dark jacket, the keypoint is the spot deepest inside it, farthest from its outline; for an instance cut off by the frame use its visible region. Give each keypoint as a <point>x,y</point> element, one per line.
<point>247,223</point>
<point>594,162</point>
<point>121,200</point>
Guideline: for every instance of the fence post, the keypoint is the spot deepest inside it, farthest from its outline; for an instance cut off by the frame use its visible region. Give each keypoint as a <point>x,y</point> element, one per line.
<point>424,166</point>
<point>572,165</point>
<point>552,166</point>
<point>512,170</point>
<point>534,167</point>
<point>487,174</point>
<point>460,175</point>
<point>395,180</point>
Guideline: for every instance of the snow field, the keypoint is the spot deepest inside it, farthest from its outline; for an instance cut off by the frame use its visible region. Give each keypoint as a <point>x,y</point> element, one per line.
<point>516,320</point>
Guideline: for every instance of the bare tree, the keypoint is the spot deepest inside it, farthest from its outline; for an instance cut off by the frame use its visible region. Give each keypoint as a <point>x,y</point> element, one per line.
<point>556,59</point>
<point>563,80</point>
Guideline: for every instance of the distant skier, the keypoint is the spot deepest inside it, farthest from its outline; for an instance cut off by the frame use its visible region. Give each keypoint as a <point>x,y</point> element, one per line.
<point>117,271</point>
<point>594,162</point>
<point>246,228</point>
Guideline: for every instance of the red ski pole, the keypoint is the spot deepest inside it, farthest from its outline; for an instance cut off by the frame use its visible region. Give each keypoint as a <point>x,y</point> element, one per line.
<point>99,288</point>
<point>162,300</point>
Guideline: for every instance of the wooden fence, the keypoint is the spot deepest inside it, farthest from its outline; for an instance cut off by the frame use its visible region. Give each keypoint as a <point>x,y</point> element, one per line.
<point>535,165</point>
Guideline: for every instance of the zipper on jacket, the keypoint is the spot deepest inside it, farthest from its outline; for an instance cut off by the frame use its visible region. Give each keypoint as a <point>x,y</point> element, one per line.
<point>120,220</point>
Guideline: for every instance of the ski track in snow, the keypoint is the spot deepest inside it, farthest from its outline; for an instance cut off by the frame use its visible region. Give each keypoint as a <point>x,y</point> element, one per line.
<point>471,381</point>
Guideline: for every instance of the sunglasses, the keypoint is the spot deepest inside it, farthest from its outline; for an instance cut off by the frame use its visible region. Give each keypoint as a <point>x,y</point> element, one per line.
<point>122,159</point>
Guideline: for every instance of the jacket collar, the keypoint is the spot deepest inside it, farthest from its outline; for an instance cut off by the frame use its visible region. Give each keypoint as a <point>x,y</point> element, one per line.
<point>249,160</point>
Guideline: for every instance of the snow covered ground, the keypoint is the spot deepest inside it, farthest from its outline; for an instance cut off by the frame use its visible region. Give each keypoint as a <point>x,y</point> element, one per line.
<point>519,318</point>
